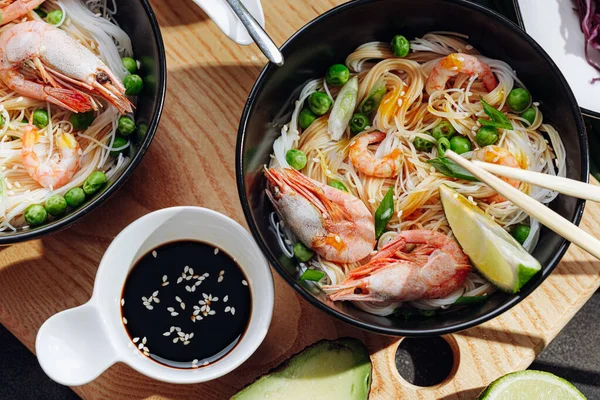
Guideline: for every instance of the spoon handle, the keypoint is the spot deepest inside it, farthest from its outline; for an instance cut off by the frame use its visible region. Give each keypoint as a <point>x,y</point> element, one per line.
<point>261,38</point>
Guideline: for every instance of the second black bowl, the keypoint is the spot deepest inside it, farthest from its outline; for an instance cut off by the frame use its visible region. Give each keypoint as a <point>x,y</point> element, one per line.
<point>329,39</point>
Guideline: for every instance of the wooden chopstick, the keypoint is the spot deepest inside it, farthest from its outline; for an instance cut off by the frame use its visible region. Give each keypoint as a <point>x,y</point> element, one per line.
<point>535,209</point>
<point>567,186</point>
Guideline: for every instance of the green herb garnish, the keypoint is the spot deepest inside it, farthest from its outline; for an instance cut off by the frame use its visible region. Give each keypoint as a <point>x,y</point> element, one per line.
<point>469,300</point>
<point>384,212</point>
<point>498,119</point>
<point>449,168</point>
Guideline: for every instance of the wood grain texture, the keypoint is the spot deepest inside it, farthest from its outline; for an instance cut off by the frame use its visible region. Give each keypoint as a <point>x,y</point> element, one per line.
<point>191,162</point>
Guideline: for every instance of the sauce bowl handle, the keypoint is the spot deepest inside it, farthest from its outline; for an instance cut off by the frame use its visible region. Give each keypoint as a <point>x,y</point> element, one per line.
<point>73,347</point>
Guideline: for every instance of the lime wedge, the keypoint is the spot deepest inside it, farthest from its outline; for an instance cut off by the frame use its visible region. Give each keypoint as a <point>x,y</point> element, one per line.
<point>528,385</point>
<point>492,250</point>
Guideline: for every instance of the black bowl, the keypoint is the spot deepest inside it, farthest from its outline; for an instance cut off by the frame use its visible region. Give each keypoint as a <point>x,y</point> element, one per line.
<point>137,19</point>
<point>329,39</point>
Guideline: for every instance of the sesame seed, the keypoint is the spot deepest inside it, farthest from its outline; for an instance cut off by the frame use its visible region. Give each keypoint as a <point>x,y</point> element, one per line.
<point>469,47</point>
<point>178,299</point>
<point>140,346</point>
<point>122,302</point>
<point>155,294</point>
<point>244,282</point>
<point>196,312</point>
<point>165,284</point>
<point>150,307</point>
<point>182,306</point>
<point>167,334</point>
<point>198,283</point>
<point>399,102</point>
<point>225,299</point>
<point>144,340</point>
<point>191,271</point>
<point>216,250</point>
<point>146,349</point>
<point>205,363</point>
<point>186,342</point>
<point>180,334</point>
<point>227,309</point>
<point>178,329</point>
<point>191,335</point>
<point>189,277</point>
<point>195,361</point>
<point>220,279</point>
<point>154,254</point>
<point>402,93</point>
<point>193,288</point>
<point>338,239</point>
<point>179,280</point>
<point>164,278</point>
<point>206,275</point>
<point>175,340</point>
<point>125,320</point>
<point>186,269</point>
<point>193,318</point>
<point>171,309</point>
<point>232,311</point>
<point>221,273</point>
<point>144,299</point>
<point>174,314</point>
<point>455,195</point>
<point>136,339</point>
<point>189,289</point>
<point>146,303</point>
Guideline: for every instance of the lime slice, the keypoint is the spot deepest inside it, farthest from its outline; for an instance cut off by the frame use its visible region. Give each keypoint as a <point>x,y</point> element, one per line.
<point>493,251</point>
<point>528,385</point>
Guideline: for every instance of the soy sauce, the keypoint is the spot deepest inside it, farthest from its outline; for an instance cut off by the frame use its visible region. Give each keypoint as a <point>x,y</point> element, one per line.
<point>186,304</point>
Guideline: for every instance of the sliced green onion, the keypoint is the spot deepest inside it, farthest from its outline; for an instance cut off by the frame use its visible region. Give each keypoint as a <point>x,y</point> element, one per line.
<point>312,275</point>
<point>373,99</point>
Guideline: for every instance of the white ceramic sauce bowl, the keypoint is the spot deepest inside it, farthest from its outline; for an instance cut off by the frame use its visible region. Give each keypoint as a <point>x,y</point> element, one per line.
<point>75,346</point>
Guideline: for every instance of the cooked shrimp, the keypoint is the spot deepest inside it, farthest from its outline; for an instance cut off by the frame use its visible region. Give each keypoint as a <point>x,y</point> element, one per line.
<point>501,156</point>
<point>13,9</point>
<point>335,224</point>
<point>456,63</point>
<point>435,268</point>
<point>70,72</point>
<point>364,161</point>
<point>50,174</point>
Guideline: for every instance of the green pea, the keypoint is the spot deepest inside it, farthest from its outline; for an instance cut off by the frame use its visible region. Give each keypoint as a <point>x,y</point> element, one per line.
<point>443,145</point>
<point>443,130</point>
<point>54,17</point>
<point>56,205</point>
<point>521,233</point>
<point>133,85</point>
<point>306,118</point>
<point>75,197</point>
<point>94,182</point>
<point>319,103</point>
<point>126,126</point>
<point>129,64</point>
<point>460,144</point>
<point>518,100</point>
<point>296,159</point>
<point>422,144</point>
<point>40,12</point>
<point>358,123</point>
<point>337,75</point>
<point>302,253</point>
<point>40,118</point>
<point>35,215</point>
<point>400,46</point>
<point>142,129</point>
<point>486,135</point>
<point>338,185</point>
<point>81,121</point>
<point>118,143</point>
<point>529,115</point>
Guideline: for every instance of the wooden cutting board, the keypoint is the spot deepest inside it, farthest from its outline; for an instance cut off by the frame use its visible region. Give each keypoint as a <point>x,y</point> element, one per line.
<point>191,162</point>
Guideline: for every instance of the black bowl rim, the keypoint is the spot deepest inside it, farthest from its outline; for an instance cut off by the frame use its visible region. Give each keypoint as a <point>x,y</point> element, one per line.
<point>583,144</point>
<point>70,219</point>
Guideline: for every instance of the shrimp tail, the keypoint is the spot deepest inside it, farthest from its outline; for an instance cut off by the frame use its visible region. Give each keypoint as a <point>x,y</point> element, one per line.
<point>68,99</point>
<point>347,291</point>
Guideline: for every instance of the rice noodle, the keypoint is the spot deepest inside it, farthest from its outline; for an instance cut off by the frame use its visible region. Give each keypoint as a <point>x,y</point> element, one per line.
<point>405,114</point>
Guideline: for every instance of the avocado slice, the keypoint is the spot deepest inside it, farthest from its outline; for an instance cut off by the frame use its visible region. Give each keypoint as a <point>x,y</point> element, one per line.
<point>329,370</point>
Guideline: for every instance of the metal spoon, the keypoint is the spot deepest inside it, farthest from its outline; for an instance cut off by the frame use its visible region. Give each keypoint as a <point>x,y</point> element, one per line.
<point>261,38</point>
